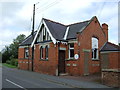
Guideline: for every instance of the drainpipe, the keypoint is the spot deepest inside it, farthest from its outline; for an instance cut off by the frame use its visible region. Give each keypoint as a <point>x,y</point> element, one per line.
<point>57,71</point>
<point>28,57</point>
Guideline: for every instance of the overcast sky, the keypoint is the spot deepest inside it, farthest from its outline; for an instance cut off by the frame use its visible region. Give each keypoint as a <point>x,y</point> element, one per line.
<point>15,15</point>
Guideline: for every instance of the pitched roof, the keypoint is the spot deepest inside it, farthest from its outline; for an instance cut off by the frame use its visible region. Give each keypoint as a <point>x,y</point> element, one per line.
<point>110,47</point>
<point>28,40</point>
<point>57,30</point>
<point>77,27</point>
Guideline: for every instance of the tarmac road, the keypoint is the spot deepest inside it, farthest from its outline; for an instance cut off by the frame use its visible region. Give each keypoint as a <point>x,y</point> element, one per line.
<point>21,79</point>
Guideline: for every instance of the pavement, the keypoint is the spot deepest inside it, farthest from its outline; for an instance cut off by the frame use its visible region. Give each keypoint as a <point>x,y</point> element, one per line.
<point>95,78</point>
<point>14,78</point>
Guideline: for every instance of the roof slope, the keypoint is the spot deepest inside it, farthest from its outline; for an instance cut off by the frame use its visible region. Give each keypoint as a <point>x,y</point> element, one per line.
<point>57,30</point>
<point>28,40</point>
<point>77,27</point>
<point>110,47</point>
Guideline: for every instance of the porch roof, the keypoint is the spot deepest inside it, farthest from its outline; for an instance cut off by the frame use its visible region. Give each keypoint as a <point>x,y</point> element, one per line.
<point>110,47</point>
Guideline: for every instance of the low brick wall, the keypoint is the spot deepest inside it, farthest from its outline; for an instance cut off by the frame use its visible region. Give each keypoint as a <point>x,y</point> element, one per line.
<point>111,77</point>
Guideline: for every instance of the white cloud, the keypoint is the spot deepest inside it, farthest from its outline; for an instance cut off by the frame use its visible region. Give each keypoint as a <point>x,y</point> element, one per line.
<point>25,12</point>
<point>16,16</point>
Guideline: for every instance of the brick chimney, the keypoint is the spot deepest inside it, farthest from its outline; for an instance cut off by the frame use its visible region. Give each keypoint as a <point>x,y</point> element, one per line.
<point>105,30</point>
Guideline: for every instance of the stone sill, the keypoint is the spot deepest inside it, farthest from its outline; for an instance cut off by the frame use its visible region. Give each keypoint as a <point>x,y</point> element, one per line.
<point>110,70</point>
<point>43,59</point>
<point>69,59</point>
<point>95,59</point>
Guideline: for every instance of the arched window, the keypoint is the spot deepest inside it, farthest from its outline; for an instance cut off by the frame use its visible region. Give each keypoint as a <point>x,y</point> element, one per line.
<point>26,52</point>
<point>46,52</point>
<point>41,52</point>
<point>94,48</point>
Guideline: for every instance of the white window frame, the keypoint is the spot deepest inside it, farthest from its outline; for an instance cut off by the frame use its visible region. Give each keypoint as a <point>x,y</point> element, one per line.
<point>41,52</point>
<point>95,46</point>
<point>46,52</point>
<point>71,48</point>
<point>26,52</point>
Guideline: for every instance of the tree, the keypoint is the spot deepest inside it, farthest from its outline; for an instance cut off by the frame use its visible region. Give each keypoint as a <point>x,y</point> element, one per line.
<point>11,51</point>
<point>6,54</point>
<point>119,44</point>
<point>14,46</point>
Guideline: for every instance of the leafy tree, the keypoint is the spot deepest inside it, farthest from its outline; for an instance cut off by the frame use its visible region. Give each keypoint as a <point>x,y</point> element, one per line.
<point>11,51</point>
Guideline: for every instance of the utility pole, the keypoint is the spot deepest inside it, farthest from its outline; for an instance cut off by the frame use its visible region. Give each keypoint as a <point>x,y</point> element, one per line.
<point>33,37</point>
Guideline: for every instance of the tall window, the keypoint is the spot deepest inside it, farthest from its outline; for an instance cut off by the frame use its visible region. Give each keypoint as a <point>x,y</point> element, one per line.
<point>26,53</point>
<point>71,50</point>
<point>44,34</point>
<point>41,52</point>
<point>46,52</point>
<point>94,48</point>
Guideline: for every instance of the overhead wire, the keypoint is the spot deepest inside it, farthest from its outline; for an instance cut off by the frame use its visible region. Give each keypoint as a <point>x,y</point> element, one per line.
<point>101,9</point>
<point>48,6</point>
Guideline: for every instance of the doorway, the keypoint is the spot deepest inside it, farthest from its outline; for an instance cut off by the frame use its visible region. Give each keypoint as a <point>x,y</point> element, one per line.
<point>61,62</point>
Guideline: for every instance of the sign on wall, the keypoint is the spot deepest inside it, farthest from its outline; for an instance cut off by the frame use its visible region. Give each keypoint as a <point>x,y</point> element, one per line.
<point>76,56</point>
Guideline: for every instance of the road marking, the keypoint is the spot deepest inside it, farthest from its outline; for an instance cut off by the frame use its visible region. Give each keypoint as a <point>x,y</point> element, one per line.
<point>15,84</point>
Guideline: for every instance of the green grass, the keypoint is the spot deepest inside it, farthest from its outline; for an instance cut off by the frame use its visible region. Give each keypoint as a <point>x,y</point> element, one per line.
<point>9,65</point>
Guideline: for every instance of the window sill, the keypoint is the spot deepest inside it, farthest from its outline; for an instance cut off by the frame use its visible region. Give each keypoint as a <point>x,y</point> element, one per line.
<point>95,59</point>
<point>43,59</point>
<point>26,58</point>
<point>70,59</point>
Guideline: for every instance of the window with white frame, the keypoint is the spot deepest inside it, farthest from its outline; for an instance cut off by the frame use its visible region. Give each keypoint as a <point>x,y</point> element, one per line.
<point>26,53</point>
<point>71,50</point>
<point>46,52</point>
<point>43,35</point>
<point>94,48</point>
<point>41,52</point>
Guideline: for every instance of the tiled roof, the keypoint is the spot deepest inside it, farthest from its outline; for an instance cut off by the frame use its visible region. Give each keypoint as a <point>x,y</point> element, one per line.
<point>110,47</point>
<point>58,30</point>
<point>28,40</point>
<point>77,27</point>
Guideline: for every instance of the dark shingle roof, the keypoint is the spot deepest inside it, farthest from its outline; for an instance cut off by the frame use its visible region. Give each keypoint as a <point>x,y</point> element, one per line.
<point>110,47</point>
<point>57,30</point>
<point>28,40</point>
<point>77,27</point>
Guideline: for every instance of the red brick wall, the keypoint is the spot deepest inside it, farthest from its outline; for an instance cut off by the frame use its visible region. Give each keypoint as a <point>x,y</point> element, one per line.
<point>111,76</point>
<point>20,53</point>
<point>23,63</point>
<point>74,67</point>
<point>93,29</point>
<point>51,65</point>
<point>46,66</point>
<point>113,60</point>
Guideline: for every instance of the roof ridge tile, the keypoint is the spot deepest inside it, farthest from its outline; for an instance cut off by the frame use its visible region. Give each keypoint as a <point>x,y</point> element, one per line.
<point>54,21</point>
<point>78,23</point>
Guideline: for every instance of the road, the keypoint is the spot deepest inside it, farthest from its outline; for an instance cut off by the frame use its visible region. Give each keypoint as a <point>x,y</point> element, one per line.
<point>21,79</point>
<point>14,78</point>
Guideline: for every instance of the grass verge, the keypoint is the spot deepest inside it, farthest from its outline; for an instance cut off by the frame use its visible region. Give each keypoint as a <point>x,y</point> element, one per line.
<point>9,65</point>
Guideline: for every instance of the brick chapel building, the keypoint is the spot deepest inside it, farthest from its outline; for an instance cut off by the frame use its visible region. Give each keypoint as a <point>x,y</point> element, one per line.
<point>58,48</point>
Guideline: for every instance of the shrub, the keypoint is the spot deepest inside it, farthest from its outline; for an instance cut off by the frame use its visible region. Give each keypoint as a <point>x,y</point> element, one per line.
<point>8,62</point>
<point>14,62</point>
